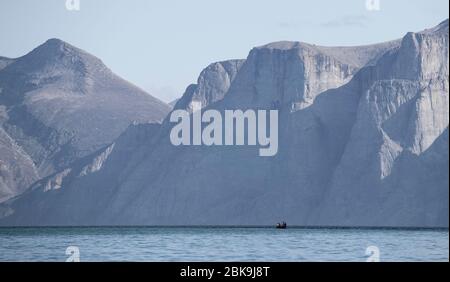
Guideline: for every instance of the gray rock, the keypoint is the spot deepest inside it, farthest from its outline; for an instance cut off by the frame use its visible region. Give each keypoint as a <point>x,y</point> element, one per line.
<point>212,84</point>
<point>17,170</point>
<point>363,142</point>
<point>59,104</point>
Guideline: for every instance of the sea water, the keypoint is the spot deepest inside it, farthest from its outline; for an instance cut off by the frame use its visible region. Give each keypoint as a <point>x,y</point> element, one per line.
<point>222,244</point>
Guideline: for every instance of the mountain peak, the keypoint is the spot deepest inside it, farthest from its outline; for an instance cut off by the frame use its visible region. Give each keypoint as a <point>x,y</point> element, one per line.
<point>56,54</point>
<point>55,46</point>
<point>55,41</point>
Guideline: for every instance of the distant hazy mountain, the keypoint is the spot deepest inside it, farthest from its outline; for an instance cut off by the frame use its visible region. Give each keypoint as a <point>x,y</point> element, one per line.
<point>4,62</point>
<point>172,104</point>
<point>363,135</point>
<point>57,105</point>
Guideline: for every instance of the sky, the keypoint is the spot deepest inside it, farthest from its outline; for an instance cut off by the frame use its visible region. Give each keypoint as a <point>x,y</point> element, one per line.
<point>162,45</point>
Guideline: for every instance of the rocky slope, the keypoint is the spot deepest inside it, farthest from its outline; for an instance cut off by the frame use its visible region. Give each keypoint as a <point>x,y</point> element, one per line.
<point>17,170</point>
<point>363,141</point>
<point>59,104</point>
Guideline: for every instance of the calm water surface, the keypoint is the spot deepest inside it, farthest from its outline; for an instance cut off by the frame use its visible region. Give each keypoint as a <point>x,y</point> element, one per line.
<point>221,244</point>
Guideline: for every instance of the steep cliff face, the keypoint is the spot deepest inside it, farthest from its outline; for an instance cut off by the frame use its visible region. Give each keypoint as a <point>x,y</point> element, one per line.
<point>59,104</point>
<point>402,119</point>
<point>363,140</point>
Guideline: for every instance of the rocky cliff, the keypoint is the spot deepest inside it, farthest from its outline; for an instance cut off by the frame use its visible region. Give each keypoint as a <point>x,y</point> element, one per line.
<point>363,141</point>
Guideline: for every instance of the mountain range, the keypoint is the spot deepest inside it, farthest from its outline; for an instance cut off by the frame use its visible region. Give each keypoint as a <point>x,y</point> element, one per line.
<point>363,140</point>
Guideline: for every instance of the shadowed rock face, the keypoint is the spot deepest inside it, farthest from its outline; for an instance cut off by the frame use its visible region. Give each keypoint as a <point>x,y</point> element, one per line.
<point>363,135</point>
<point>59,104</point>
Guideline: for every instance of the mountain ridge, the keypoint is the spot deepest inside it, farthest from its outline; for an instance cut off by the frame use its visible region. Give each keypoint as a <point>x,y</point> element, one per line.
<point>59,103</point>
<point>359,146</point>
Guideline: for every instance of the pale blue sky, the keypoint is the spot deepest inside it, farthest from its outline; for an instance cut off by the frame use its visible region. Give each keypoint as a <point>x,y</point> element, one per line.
<point>163,45</point>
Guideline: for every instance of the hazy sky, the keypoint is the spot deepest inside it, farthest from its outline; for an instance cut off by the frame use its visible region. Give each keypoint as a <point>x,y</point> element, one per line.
<point>163,45</point>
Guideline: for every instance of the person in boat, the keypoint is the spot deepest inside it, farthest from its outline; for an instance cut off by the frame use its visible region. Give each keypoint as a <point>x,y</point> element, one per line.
<point>281,225</point>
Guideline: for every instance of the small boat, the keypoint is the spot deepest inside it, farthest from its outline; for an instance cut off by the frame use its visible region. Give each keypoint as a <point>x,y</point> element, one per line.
<point>281,225</point>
